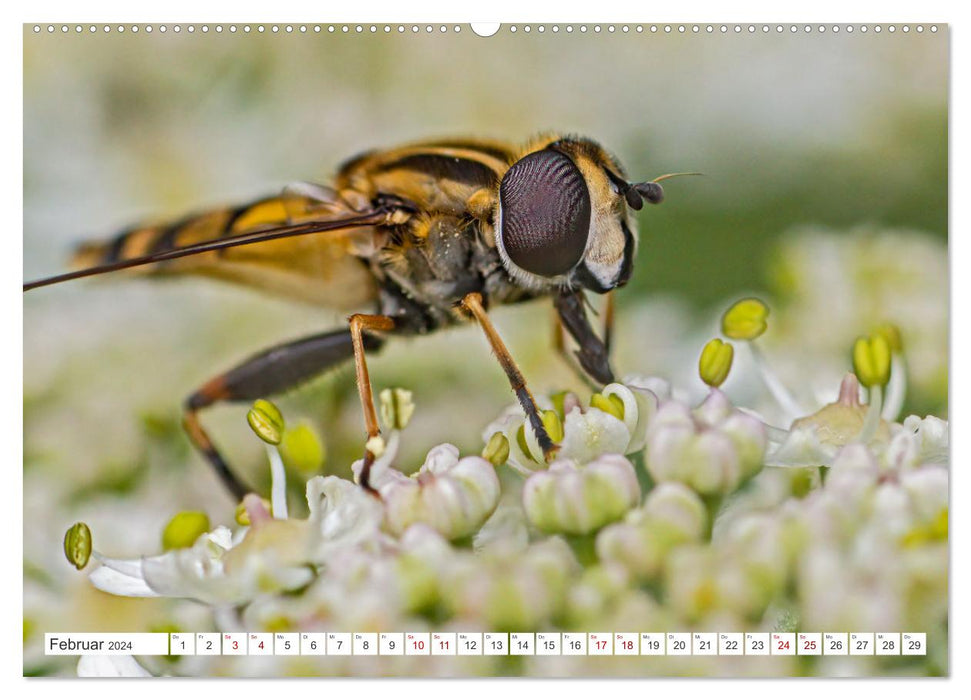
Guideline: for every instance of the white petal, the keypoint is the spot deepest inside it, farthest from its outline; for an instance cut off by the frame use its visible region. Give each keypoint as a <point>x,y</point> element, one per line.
<point>648,402</point>
<point>631,408</point>
<point>342,512</point>
<point>934,439</point>
<point>128,567</point>
<point>588,435</point>
<point>801,448</point>
<point>441,458</point>
<point>222,537</point>
<point>661,388</point>
<point>111,580</point>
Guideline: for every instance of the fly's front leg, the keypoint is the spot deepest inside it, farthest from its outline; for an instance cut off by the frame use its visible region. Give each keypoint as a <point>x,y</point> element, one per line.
<point>559,345</point>
<point>592,352</point>
<point>608,334</point>
<point>270,372</point>
<point>360,324</point>
<point>473,304</point>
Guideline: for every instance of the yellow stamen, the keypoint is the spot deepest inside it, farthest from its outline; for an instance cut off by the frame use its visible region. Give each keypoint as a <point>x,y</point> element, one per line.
<point>612,404</point>
<point>77,545</point>
<point>266,421</point>
<point>184,529</point>
<point>715,362</point>
<point>745,320</point>
<point>497,450</point>
<point>891,332</point>
<point>302,449</point>
<point>553,425</point>
<point>871,360</point>
<point>397,407</point>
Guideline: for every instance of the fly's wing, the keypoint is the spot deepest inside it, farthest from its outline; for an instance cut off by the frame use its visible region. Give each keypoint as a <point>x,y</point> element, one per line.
<point>323,267</point>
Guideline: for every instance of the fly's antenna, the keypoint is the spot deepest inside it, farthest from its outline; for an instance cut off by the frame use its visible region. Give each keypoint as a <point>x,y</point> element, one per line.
<point>636,193</point>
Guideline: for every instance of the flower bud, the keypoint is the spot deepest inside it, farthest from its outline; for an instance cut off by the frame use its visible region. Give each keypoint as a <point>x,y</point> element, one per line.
<point>522,589</point>
<point>715,362</point>
<point>77,545</point>
<point>677,512</point>
<point>745,320</point>
<point>871,360</point>
<point>578,500</point>
<point>397,408</point>
<point>672,515</point>
<point>712,449</point>
<point>454,496</point>
<point>266,421</point>
<point>184,529</point>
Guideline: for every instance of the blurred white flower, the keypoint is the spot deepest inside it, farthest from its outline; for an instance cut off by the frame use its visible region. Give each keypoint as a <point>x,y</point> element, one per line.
<point>837,436</point>
<point>588,431</point>
<point>123,666</point>
<point>876,275</point>
<point>271,556</point>
<point>508,590</point>
<point>815,440</point>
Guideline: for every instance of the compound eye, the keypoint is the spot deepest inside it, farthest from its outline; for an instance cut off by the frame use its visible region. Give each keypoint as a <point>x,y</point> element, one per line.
<point>545,207</point>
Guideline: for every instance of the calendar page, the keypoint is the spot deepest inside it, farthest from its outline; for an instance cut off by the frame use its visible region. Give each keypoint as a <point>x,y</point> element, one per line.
<point>576,350</point>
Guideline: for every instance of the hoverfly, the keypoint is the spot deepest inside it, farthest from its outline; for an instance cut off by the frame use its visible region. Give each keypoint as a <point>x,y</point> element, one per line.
<point>427,235</point>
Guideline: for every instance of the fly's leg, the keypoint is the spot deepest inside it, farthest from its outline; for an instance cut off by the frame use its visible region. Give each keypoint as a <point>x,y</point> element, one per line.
<point>270,372</point>
<point>360,325</point>
<point>608,333</point>
<point>559,345</point>
<point>473,304</point>
<point>592,352</point>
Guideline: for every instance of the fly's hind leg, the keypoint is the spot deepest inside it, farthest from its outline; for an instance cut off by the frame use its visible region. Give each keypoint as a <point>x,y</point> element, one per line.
<point>270,372</point>
<point>473,303</point>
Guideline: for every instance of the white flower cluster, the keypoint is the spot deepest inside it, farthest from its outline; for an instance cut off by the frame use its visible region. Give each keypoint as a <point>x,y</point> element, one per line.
<point>654,514</point>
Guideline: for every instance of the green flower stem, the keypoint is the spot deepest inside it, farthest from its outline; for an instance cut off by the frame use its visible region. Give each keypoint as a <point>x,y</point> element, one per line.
<point>713,504</point>
<point>584,548</point>
<point>644,479</point>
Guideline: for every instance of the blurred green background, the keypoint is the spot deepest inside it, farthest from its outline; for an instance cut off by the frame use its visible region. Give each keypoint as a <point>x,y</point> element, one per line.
<point>790,130</point>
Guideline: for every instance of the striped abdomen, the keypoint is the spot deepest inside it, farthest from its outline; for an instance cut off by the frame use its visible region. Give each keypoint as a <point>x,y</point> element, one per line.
<point>321,268</point>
